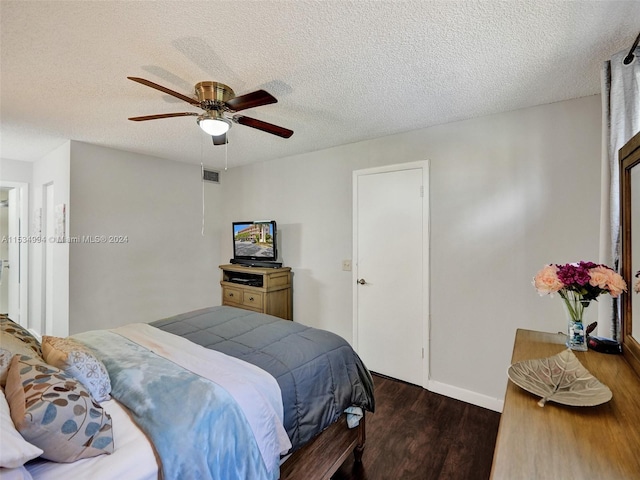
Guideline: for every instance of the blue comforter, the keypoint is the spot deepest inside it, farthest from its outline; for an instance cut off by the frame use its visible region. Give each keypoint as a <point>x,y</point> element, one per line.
<point>318,372</point>
<point>197,428</point>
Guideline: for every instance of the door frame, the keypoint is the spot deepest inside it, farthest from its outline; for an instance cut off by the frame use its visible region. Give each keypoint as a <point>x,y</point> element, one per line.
<point>426,324</point>
<point>23,217</point>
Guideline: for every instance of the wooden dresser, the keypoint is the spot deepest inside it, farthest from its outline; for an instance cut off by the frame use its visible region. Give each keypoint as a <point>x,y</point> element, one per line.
<point>562,442</point>
<point>264,290</point>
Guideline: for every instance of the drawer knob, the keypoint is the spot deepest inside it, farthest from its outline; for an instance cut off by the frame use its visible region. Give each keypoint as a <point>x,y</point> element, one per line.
<point>251,299</point>
<point>231,294</point>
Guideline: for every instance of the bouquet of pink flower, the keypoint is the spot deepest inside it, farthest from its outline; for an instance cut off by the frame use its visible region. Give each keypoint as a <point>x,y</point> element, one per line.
<point>587,279</point>
<point>578,284</point>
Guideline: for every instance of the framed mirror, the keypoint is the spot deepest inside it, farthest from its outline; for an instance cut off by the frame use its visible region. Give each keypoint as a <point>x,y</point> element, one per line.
<point>630,231</point>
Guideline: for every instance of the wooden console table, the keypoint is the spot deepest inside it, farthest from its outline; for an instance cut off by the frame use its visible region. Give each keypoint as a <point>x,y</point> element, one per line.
<point>562,442</point>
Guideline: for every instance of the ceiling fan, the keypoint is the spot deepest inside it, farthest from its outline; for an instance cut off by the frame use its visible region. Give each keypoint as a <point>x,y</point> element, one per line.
<point>220,105</point>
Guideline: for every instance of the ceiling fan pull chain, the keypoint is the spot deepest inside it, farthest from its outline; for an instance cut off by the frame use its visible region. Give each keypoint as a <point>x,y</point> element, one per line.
<point>202,182</point>
<point>226,160</point>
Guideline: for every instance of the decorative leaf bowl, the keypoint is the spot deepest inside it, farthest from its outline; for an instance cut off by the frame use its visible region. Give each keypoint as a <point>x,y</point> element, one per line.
<point>561,379</point>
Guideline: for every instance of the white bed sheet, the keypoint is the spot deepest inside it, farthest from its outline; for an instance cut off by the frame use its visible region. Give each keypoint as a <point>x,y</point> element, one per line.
<point>133,457</point>
<point>19,473</point>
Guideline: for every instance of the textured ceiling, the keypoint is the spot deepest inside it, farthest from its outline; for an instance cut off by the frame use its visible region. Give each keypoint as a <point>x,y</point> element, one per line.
<point>342,71</point>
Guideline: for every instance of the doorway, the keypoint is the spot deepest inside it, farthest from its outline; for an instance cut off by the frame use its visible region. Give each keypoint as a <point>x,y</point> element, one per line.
<point>391,270</point>
<point>14,248</point>
<point>4,250</point>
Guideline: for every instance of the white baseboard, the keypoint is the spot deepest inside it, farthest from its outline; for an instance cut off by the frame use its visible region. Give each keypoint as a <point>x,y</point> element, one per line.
<point>468,396</point>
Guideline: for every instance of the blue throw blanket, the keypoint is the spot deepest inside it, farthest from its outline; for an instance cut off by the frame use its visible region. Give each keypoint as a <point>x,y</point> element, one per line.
<point>196,427</point>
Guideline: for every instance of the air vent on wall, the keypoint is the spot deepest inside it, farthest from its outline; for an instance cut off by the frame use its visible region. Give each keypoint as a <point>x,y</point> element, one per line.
<point>211,176</point>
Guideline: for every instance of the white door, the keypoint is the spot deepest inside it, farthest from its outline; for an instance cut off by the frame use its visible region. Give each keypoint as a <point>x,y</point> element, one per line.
<point>49,232</point>
<point>13,272</point>
<point>391,270</point>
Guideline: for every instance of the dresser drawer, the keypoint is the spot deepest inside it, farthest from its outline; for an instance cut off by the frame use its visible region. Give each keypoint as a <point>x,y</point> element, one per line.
<point>252,299</point>
<point>232,295</point>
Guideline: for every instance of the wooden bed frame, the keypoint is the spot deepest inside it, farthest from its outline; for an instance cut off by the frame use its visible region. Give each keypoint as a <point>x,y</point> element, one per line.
<point>322,456</point>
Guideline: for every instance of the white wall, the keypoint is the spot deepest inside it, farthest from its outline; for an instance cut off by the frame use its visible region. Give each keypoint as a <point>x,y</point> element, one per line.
<point>509,193</point>
<point>165,266</point>
<point>53,168</point>
<point>16,171</point>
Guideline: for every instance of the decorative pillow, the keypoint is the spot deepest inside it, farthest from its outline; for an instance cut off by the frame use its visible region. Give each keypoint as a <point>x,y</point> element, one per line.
<point>53,411</point>
<point>79,361</point>
<point>16,451</point>
<point>15,339</point>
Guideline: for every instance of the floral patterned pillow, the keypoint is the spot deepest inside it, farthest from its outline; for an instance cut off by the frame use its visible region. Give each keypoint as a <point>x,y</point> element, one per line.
<point>54,412</point>
<point>79,361</point>
<point>15,339</point>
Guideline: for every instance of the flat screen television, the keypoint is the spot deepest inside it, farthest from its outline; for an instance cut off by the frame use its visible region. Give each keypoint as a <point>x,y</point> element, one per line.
<point>255,243</point>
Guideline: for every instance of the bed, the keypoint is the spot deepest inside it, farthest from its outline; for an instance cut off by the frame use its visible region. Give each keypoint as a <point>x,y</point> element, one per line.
<point>278,398</point>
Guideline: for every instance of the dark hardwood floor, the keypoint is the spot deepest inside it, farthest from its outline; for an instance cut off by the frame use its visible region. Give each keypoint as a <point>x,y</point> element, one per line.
<point>418,435</point>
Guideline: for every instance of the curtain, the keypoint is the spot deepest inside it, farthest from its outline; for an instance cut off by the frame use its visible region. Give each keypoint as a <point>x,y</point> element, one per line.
<point>621,121</point>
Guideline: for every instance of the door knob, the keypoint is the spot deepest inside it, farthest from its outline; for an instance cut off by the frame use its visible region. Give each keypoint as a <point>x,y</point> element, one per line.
<point>362,281</point>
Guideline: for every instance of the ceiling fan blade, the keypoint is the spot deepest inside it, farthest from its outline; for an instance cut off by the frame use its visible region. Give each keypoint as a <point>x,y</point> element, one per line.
<point>164,115</point>
<point>250,100</point>
<point>148,83</point>
<point>219,139</point>
<point>264,126</point>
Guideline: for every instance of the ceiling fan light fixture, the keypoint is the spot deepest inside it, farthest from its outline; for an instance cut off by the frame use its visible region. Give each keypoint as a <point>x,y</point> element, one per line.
<point>220,106</point>
<point>214,125</point>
